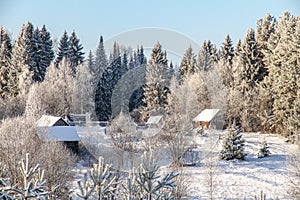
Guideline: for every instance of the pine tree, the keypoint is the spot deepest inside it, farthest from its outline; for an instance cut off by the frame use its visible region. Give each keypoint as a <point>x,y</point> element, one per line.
<point>35,62</point>
<point>207,56</point>
<point>107,83</point>
<point>21,56</point>
<point>226,62</point>
<point>140,59</point>
<point>283,73</point>
<point>227,51</point>
<point>264,150</point>
<point>91,61</point>
<point>233,145</point>
<point>5,63</point>
<point>47,53</point>
<point>157,75</point>
<point>247,73</point>
<point>75,54</point>
<point>63,48</point>
<point>188,63</point>
<point>264,29</point>
<point>101,63</point>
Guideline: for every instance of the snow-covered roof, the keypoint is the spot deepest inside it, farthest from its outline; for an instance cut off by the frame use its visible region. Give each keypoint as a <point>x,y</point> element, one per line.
<point>206,115</point>
<point>154,119</point>
<point>58,133</point>
<point>47,120</point>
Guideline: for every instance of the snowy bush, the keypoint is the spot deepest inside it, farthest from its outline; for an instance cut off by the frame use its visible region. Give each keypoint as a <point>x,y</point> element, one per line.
<point>18,137</point>
<point>32,186</point>
<point>233,145</point>
<point>98,182</point>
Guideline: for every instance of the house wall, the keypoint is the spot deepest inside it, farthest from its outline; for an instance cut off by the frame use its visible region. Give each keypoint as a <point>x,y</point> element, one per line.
<point>201,124</point>
<point>73,146</point>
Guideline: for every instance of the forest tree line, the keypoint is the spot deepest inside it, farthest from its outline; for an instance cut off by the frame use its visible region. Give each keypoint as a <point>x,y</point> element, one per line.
<point>259,77</point>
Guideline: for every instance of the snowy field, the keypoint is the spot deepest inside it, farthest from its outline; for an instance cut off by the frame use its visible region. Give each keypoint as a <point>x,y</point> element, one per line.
<point>244,179</point>
<point>232,179</point>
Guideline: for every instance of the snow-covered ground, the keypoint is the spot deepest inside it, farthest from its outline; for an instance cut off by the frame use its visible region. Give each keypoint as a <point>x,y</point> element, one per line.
<point>235,179</point>
<point>243,179</point>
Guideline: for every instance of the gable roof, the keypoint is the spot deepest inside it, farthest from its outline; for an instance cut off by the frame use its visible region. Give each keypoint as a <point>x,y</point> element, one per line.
<point>58,133</point>
<point>154,119</point>
<point>47,120</point>
<point>206,115</point>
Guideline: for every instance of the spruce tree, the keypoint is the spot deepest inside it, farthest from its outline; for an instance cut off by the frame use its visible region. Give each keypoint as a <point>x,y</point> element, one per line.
<point>207,56</point>
<point>21,56</point>
<point>264,29</point>
<point>226,61</point>
<point>5,63</point>
<point>75,54</point>
<point>157,74</point>
<point>233,145</point>
<point>35,62</point>
<point>106,85</point>
<point>263,150</point>
<point>101,63</point>
<point>227,51</point>
<point>283,73</point>
<point>91,61</point>
<point>41,53</point>
<point>63,48</point>
<point>247,73</point>
<point>188,63</point>
<point>47,50</point>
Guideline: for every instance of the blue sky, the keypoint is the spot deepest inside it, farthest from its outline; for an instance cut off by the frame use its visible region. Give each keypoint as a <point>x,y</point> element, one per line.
<point>198,20</point>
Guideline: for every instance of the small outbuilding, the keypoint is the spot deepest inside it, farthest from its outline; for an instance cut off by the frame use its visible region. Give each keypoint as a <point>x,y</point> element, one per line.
<point>204,119</point>
<point>51,128</point>
<point>66,134</point>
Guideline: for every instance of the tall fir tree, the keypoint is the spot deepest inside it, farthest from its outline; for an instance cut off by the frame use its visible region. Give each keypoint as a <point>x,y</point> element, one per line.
<point>35,62</point>
<point>188,63</point>
<point>41,53</point>
<point>63,50</point>
<point>5,63</point>
<point>247,73</point>
<point>106,85</point>
<point>90,61</point>
<point>21,56</point>
<point>75,55</point>
<point>207,56</point>
<point>264,29</point>
<point>282,62</point>
<point>226,60</point>
<point>101,63</point>
<point>47,50</point>
<point>157,75</point>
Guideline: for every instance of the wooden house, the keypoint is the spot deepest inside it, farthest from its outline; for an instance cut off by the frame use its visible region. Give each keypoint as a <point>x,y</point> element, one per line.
<point>52,128</point>
<point>203,120</point>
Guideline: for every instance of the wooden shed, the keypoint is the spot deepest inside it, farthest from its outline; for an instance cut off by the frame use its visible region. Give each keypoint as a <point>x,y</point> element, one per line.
<point>66,134</point>
<point>51,128</point>
<point>203,120</point>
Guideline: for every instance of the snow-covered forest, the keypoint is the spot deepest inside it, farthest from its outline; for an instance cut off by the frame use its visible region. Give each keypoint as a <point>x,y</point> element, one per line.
<point>255,83</point>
